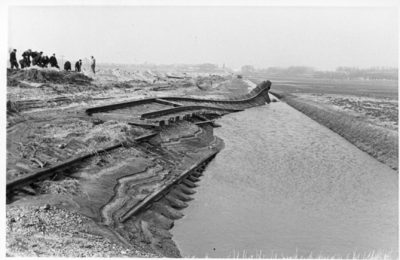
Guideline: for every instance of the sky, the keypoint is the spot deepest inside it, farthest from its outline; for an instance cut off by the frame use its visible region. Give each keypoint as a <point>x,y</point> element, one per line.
<point>323,37</point>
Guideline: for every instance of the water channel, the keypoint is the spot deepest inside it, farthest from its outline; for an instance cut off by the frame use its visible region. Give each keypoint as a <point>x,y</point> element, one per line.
<point>285,186</point>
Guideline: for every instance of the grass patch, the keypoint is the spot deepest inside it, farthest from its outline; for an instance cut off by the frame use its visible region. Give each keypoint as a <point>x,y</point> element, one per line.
<point>378,142</point>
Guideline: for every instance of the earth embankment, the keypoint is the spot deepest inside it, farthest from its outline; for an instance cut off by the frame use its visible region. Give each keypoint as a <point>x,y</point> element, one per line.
<point>364,114</point>
<point>105,192</point>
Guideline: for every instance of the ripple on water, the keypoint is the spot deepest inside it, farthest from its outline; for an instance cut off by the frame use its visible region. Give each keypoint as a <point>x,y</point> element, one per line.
<point>286,185</point>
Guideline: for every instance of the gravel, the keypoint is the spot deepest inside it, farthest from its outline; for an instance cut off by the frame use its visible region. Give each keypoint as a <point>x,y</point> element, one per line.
<point>47,231</point>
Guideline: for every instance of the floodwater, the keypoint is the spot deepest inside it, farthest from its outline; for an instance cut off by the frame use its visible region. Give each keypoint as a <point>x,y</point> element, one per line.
<point>285,186</point>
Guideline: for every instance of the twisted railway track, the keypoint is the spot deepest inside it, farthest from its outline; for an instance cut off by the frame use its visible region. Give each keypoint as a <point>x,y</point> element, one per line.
<point>151,187</point>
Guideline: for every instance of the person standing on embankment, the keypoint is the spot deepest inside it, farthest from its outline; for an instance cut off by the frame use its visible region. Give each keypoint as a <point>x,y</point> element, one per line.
<point>34,54</point>
<point>37,60</point>
<point>93,65</point>
<point>53,61</point>
<point>13,59</point>
<point>67,66</point>
<point>78,66</point>
<point>45,61</point>
<point>26,59</point>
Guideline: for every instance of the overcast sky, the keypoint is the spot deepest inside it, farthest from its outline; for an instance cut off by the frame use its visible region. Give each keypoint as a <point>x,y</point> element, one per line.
<point>262,36</point>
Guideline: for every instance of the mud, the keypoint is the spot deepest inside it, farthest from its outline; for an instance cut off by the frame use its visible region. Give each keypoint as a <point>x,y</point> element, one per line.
<point>113,183</point>
<point>131,194</point>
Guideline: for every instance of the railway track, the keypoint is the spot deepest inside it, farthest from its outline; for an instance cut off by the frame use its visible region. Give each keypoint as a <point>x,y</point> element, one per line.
<point>31,175</point>
<point>174,188</point>
<point>163,111</point>
<point>181,154</point>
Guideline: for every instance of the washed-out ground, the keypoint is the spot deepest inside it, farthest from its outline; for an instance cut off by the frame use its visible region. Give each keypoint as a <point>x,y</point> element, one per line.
<point>59,217</point>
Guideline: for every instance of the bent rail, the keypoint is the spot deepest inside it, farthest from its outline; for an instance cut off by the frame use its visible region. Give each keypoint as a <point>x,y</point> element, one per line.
<point>264,86</point>
<point>184,108</point>
<point>163,190</point>
<point>26,180</point>
<point>257,91</point>
<point>119,105</point>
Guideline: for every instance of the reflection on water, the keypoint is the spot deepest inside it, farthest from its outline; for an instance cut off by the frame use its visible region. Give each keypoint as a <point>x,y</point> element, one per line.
<point>285,185</point>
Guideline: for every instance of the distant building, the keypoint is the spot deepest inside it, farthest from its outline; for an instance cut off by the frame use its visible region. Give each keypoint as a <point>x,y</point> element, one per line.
<point>207,67</point>
<point>248,68</point>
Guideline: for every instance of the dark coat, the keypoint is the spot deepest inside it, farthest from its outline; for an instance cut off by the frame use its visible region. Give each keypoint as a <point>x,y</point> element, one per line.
<point>23,63</point>
<point>78,64</point>
<point>45,61</point>
<point>27,60</point>
<point>13,56</point>
<point>53,60</point>
<point>26,54</point>
<point>34,54</point>
<point>37,60</point>
<point>67,65</point>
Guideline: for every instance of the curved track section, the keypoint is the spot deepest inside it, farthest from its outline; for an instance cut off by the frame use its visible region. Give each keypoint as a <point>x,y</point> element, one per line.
<point>258,96</point>
<point>260,91</point>
<point>167,188</point>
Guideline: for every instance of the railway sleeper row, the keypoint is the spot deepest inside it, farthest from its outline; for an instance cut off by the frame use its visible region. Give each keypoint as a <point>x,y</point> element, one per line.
<point>182,105</point>
<point>163,204</point>
<point>163,120</point>
<point>167,120</point>
<point>181,109</point>
<point>163,207</point>
<point>249,99</point>
<point>174,194</point>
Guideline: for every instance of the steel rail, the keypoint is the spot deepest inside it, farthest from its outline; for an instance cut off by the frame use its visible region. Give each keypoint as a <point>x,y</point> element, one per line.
<point>38,175</point>
<point>257,91</point>
<point>163,190</point>
<point>184,108</point>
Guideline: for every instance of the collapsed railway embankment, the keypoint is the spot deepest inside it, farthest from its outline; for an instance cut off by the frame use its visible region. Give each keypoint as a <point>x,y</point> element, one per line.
<point>123,171</point>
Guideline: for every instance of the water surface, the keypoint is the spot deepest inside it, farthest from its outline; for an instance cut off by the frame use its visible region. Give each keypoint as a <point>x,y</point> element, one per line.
<point>286,186</point>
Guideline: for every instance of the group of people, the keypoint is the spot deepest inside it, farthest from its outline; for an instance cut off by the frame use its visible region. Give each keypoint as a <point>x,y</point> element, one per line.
<point>43,61</point>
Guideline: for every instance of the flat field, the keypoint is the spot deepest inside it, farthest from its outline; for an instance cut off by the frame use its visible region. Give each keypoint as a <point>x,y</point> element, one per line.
<point>361,88</point>
<point>374,102</point>
<point>364,112</point>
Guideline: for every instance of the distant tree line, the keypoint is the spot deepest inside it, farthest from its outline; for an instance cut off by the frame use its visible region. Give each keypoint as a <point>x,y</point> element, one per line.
<point>373,73</point>
<point>284,72</point>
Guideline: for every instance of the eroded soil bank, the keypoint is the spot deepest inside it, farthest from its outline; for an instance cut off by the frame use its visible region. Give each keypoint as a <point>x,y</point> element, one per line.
<point>363,112</point>
<point>77,212</point>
